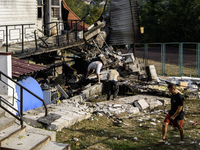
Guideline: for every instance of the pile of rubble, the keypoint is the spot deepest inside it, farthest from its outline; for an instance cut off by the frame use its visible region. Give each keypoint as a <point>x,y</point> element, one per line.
<point>67,112</point>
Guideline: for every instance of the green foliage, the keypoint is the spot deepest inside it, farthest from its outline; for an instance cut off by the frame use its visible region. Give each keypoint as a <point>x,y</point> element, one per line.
<point>95,13</point>
<point>170,20</point>
<point>81,9</point>
<point>78,7</point>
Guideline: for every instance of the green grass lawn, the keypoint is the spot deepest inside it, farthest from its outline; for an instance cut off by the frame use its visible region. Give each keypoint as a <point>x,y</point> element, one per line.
<point>103,133</point>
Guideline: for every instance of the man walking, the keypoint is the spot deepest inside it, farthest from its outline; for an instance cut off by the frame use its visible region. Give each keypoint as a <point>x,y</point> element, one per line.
<point>175,115</point>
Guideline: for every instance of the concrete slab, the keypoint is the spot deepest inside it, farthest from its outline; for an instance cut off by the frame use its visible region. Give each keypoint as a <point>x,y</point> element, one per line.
<point>55,146</point>
<point>141,104</point>
<point>72,112</point>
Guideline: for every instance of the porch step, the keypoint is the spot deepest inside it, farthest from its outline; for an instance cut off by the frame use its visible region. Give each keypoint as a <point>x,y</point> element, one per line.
<point>6,122</point>
<point>25,141</point>
<point>13,137</point>
<point>2,113</point>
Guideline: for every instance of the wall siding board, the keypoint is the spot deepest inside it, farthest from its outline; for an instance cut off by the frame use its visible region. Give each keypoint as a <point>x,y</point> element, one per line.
<point>14,12</point>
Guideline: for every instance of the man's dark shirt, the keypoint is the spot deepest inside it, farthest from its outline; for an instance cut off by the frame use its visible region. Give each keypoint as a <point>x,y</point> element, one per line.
<point>176,100</point>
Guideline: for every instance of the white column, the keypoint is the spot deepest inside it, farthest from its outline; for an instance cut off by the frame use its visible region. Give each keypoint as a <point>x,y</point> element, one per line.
<point>6,68</point>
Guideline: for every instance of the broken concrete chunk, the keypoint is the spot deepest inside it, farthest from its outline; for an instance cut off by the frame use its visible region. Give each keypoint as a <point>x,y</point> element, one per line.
<point>47,120</point>
<point>94,30</point>
<point>62,91</point>
<point>154,103</point>
<point>141,104</point>
<point>151,72</point>
<point>129,58</point>
<point>77,98</point>
<point>132,110</point>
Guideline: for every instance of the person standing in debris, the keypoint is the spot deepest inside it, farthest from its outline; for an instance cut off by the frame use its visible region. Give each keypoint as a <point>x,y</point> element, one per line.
<point>113,87</point>
<point>175,115</point>
<point>95,65</point>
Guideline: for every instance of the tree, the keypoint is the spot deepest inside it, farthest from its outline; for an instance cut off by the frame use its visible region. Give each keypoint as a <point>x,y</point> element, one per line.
<point>78,7</point>
<point>182,20</point>
<point>170,20</point>
<point>81,9</point>
<point>150,18</point>
<point>95,13</point>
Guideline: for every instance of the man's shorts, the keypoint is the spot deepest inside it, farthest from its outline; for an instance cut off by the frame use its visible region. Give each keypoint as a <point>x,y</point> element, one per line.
<point>174,123</point>
<point>98,69</point>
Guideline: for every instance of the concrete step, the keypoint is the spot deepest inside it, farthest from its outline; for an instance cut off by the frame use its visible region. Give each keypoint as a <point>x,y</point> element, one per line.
<point>6,122</point>
<point>9,132</point>
<point>26,141</point>
<point>2,113</point>
<point>56,146</point>
<point>14,137</point>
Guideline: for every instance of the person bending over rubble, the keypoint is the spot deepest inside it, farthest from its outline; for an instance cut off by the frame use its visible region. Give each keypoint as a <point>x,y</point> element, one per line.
<point>113,87</point>
<point>95,65</point>
<point>175,115</point>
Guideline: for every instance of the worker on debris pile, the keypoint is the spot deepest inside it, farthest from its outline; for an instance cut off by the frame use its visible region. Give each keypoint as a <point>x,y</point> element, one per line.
<point>175,115</point>
<point>113,87</point>
<point>95,65</point>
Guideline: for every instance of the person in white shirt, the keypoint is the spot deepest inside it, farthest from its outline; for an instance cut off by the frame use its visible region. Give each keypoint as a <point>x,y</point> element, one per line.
<point>96,65</point>
<point>113,87</point>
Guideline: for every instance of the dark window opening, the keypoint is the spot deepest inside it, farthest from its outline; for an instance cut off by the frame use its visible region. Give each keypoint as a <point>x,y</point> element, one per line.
<point>39,12</point>
<point>39,2</point>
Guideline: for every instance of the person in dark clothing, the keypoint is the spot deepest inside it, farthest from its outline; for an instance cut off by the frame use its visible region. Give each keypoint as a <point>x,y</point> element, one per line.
<point>113,87</point>
<point>175,115</point>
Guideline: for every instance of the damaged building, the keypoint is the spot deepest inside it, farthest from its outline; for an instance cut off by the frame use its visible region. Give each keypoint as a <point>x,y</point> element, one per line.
<point>47,52</point>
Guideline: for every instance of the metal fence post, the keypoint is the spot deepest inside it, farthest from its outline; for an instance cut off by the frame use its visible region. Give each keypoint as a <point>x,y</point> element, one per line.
<point>6,38</point>
<point>180,59</point>
<point>35,34</point>
<point>146,54</point>
<point>21,106</point>
<point>22,38</point>
<point>198,59</point>
<point>163,46</point>
<point>58,40</point>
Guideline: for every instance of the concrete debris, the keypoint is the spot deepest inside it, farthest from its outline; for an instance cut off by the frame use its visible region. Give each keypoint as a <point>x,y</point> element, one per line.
<point>49,119</point>
<point>141,104</point>
<point>115,138</point>
<point>72,111</point>
<point>75,139</point>
<point>135,138</point>
<point>153,123</point>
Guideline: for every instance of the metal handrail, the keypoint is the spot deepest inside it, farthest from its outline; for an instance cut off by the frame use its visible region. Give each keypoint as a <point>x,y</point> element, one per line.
<point>20,118</point>
<point>7,35</point>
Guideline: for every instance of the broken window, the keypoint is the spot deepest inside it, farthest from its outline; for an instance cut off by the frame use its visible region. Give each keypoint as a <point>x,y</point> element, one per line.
<point>39,9</point>
<point>55,12</point>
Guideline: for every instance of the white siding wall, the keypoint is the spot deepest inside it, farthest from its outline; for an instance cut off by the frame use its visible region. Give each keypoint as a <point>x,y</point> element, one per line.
<point>14,12</point>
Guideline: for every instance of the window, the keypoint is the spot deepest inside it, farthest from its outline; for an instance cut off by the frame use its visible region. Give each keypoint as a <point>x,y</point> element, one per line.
<point>55,9</point>
<point>39,8</point>
<point>55,12</point>
<point>39,12</point>
<point>55,2</point>
<point>39,2</point>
